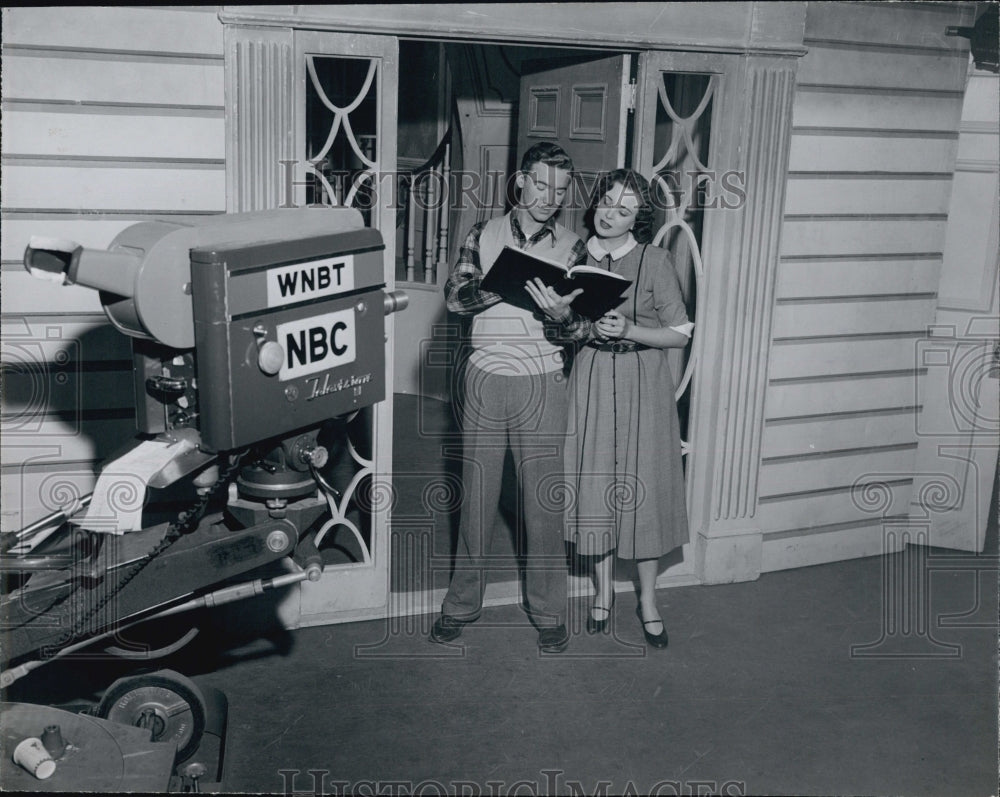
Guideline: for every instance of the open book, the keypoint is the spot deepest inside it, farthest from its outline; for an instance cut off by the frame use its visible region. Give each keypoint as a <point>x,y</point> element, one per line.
<point>602,290</point>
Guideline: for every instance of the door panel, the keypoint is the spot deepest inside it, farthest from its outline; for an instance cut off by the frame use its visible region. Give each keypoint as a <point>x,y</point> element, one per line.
<point>677,98</point>
<point>580,103</point>
<point>345,139</point>
<point>677,108</point>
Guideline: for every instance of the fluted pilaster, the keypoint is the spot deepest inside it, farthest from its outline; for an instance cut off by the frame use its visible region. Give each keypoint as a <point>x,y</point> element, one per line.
<point>769,95</point>
<point>260,123</point>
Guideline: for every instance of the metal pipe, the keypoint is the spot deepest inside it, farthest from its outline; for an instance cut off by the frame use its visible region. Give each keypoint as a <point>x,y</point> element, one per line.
<point>60,515</point>
<point>224,595</point>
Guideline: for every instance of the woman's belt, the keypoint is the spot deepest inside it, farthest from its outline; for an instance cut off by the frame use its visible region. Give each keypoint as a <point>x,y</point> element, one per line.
<point>618,346</point>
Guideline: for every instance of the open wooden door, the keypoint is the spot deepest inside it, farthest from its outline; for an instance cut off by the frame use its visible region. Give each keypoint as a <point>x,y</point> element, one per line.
<point>582,103</point>
<point>958,425</point>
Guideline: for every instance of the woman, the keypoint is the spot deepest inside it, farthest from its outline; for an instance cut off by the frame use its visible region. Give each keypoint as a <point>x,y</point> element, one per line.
<point>623,443</point>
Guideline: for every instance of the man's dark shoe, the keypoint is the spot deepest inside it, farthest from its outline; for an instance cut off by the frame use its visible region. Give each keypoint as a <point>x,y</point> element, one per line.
<point>553,639</point>
<point>447,629</point>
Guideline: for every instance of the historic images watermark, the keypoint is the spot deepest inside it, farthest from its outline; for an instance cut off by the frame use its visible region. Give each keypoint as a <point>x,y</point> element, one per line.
<point>551,782</point>
<point>917,508</point>
<point>670,190</point>
<point>42,373</point>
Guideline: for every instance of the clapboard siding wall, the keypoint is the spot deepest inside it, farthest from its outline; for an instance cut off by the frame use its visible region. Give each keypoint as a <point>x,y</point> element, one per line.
<point>874,140</point>
<point>110,116</point>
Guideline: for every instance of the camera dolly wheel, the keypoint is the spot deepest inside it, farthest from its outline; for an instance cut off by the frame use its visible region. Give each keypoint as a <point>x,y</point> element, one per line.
<point>165,702</point>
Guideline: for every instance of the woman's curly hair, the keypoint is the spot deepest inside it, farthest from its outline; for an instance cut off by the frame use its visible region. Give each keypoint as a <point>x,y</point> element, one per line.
<point>637,184</point>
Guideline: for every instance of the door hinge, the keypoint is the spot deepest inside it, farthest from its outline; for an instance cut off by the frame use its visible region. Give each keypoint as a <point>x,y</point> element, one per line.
<point>630,96</point>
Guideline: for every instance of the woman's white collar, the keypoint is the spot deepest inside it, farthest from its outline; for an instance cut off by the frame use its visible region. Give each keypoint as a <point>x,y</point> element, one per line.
<point>599,253</point>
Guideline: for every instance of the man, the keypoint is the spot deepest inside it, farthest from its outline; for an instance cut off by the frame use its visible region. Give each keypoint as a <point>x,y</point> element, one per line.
<point>515,397</point>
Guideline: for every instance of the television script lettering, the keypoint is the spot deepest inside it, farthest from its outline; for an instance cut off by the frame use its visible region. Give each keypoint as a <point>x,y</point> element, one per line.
<point>325,385</point>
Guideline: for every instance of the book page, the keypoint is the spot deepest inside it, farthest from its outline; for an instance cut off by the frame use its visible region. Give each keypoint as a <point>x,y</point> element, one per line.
<point>596,270</point>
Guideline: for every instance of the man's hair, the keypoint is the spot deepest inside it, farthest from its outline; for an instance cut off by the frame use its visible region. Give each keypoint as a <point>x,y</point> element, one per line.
<point>547,152</point>
<point>637,184</point>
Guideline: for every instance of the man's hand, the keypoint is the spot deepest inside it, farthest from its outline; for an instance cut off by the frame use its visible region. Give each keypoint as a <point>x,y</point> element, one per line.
<point>549,302</point>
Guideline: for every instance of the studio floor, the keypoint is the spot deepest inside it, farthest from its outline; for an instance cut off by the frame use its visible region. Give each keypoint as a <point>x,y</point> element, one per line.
<point>874,676</point>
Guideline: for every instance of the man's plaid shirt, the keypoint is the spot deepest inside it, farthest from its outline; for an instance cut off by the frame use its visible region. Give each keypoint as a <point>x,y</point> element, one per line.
<point>464,296</point>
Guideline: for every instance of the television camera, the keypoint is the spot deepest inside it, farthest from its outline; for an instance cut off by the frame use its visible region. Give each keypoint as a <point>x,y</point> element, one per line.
<point>249,333</point>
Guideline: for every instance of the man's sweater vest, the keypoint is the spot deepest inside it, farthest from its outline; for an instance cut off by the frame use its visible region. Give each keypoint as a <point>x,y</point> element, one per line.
<point>506,339</point>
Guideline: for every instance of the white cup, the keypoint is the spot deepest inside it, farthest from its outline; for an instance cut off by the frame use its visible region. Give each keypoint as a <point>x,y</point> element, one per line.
<point>32,755</point>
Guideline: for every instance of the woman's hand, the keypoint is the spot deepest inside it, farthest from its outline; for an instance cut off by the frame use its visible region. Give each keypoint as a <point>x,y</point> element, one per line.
<point>549,302</point>
<point>613,326</point>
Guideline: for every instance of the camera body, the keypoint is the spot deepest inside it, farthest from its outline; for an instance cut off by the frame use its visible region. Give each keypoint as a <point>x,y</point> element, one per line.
<point>245,326</point>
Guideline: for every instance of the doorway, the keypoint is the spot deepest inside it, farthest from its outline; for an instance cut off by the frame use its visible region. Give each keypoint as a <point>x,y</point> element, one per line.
<point>466,111</point>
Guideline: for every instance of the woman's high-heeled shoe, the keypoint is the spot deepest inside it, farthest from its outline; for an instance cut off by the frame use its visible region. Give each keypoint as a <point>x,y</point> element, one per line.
<point>595,626</point>
<point>653,640</point>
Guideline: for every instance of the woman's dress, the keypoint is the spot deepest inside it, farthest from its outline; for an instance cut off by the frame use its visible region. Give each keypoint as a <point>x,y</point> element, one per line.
<point>623,456</point>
